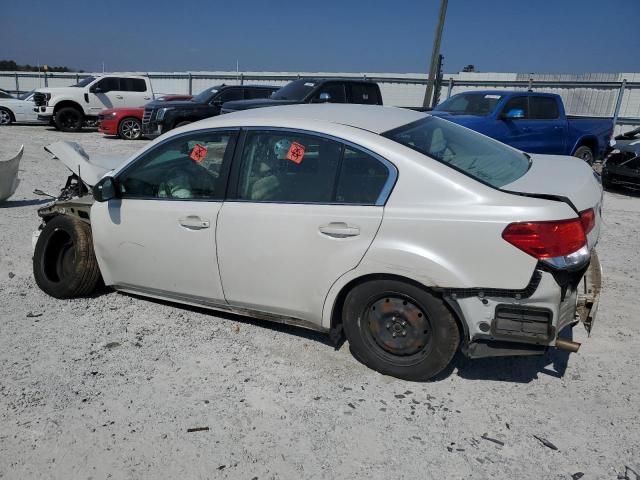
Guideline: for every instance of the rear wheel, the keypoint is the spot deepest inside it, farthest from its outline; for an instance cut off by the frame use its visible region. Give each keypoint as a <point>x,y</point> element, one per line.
<point>64,263</point>
<point>6,118</point>
<point>585,153</point>
<point>130,129</point>
<point>69,119</point>
<point>400,329</point>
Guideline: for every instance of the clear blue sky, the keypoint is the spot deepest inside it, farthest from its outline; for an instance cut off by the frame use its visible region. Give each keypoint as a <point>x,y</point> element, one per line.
<point>565,36</point>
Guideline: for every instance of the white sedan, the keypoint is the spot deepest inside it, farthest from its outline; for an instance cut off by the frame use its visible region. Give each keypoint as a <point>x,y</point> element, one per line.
<point>18,110</point>
<point>411,235</point>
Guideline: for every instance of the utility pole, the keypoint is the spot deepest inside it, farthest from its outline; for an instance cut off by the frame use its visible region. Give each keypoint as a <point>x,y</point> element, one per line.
<point>435,53</point>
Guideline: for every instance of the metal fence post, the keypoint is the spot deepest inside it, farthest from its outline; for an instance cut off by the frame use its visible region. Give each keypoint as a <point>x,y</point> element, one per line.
<point>190,84</point>
<point>46,80</point>
<point>616,112</point>
<point>449,87</point>
<point>242,79</point>
<point>77,78</point>
<point>530,86</point>
<point>17,84</point>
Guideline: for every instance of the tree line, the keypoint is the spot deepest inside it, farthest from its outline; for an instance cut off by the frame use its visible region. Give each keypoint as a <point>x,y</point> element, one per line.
<point>11,66</point>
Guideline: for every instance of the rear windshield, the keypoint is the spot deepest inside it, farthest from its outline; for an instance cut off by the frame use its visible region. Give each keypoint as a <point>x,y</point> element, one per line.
<point>475,155</point>
<point>479,104</point>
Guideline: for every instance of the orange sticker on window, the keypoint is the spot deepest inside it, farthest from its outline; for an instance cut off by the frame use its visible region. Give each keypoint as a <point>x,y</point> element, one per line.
<point>198,153</point>
<point>296,153</point>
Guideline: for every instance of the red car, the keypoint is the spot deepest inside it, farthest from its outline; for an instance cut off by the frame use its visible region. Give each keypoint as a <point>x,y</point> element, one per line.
<point>126,122</point>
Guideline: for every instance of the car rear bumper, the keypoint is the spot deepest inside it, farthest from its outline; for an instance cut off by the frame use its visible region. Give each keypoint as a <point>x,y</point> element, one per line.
<point>529,323</point>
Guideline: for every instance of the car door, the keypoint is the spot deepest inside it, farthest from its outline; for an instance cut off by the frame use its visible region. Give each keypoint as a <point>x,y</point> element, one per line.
<point>227,95</point>
<point>301,212</point>
<point>514,125</point>
<point>105,93</point>
<point>159,237</point>
<point>549,130</point>
<point>134,92</point>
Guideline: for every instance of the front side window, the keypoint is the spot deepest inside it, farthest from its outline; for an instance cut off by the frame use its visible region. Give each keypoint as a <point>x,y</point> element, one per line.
<point>517,104</point>
<point>336,91</point>
<point>288,167</point>
<point>543,108</point>
<point>475,155</point>
<point>185,168</point>
<point>364,93</point>
<point>108,84</point>
<point>229,95</point>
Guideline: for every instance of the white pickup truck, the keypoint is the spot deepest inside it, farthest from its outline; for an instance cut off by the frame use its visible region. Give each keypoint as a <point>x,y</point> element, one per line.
<point>69,108</point>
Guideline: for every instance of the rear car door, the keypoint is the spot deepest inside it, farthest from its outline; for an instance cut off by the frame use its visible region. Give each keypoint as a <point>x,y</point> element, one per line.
<point>302,211</point>
<point>159,238</point>
<point>550,130</point>
<point>134,92</point>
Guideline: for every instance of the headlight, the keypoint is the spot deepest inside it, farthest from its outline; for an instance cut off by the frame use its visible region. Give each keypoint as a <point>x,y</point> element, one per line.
<point>161,112</point>
<point>113,114</point>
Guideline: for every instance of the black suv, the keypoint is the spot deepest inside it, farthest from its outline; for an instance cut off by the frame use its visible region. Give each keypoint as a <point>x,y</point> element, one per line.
<point>315,90</point>
<point>161,116</point>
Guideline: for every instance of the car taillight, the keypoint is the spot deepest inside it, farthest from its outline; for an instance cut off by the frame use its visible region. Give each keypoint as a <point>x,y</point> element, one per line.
<point>544,240</point>
<point>588,219</point>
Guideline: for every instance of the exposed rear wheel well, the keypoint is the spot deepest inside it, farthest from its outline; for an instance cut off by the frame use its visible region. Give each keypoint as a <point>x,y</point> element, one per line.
<point>338,304</point>
<point>590,142</point>
<point>68,104</point>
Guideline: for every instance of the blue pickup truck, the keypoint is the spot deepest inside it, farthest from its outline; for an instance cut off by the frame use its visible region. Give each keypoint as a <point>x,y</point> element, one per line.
<point>528,121</point>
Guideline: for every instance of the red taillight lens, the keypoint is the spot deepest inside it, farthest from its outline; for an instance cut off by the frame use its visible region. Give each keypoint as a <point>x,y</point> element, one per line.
<point>547,239</point>
<point>588,219</point>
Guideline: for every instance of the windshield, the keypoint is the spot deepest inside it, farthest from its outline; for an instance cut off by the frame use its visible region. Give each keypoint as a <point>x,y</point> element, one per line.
<point>475,155</point>
<point>205,95</point>
<point>480,104</point>
<point>84,82</point>
<point>296,90</point>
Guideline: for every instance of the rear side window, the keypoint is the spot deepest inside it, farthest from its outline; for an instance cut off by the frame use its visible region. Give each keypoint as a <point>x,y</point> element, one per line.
<point>229,95</point>
<point>517,103</point>
<point>288,167</point>
<point>364,93</point>
<point>362,178</point>
<point>475,155</point>
<point>253,93</point>
<point>543,108</point>
<point>133,85</point>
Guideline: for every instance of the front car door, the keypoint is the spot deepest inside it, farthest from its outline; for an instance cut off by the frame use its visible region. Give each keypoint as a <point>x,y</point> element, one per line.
<point>159,238</point>
<point>227,95</point>
<point>301,212</point>
<point>105,93</point>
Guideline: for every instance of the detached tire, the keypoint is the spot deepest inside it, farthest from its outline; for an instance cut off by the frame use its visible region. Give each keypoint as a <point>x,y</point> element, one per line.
<point>400,329</point>
<point>69,119</point>
<point>585,153</point>
<point>64,263</point>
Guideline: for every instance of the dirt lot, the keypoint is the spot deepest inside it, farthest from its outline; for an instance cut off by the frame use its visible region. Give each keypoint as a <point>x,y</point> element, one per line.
<point>107,387</point>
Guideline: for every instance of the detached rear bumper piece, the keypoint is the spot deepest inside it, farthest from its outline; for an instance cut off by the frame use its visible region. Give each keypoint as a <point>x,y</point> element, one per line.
<point>528,322</point>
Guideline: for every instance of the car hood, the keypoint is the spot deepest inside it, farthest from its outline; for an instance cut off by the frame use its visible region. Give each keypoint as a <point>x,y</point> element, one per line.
<point>257,103</point>
<point>73,91</point>
<point>89,169</point>
<point>560,176</point>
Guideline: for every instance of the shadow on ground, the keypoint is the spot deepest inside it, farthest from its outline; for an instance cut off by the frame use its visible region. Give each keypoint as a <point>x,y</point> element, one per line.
<point>23,203</point>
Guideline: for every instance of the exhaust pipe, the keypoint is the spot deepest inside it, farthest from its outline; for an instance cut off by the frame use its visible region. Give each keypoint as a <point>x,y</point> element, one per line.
<point>567,345</point>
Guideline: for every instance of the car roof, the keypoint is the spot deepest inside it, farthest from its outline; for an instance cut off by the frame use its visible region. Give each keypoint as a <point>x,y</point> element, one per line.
<point>506,92</point>
<point>373,118</point>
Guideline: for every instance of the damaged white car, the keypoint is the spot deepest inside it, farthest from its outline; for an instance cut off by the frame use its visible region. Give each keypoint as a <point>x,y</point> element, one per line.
<point>411,235</point>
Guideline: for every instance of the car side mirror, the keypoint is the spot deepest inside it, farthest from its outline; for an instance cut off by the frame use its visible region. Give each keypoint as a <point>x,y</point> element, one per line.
<point>95,90</point>
<point>514,113</point>
<point>105,189</point>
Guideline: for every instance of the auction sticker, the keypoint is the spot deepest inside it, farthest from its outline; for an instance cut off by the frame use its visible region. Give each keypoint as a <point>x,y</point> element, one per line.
<point>198,153</point>
<point>296,153</point>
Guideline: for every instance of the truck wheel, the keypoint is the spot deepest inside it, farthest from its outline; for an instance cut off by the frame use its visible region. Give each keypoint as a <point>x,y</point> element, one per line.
<point>69,119</point>
<point>130,129</point>
<point>64,263</point>
<point>399,329</point>
<point>6,117</point>
<point>585,153</point>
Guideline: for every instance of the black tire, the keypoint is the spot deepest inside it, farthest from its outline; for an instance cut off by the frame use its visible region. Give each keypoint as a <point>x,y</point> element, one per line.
<point>585,153</point>
<point>69,119</point>
<point>64,263</point>
<point>130,128</point>
<point>6,117</point>
<point>426,334</point>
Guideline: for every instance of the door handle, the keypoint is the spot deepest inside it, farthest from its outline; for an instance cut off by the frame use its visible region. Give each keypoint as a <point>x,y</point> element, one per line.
<point>339,230</point>
<point>119,97</point>
<point>194,222</point>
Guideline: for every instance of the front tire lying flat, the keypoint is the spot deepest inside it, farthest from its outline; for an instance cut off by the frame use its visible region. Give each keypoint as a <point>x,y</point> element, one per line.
<point>64,263</point>
<point>400,329</point>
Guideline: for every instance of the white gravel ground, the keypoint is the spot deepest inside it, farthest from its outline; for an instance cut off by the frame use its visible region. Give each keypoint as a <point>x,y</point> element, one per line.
<point>106,387</point>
